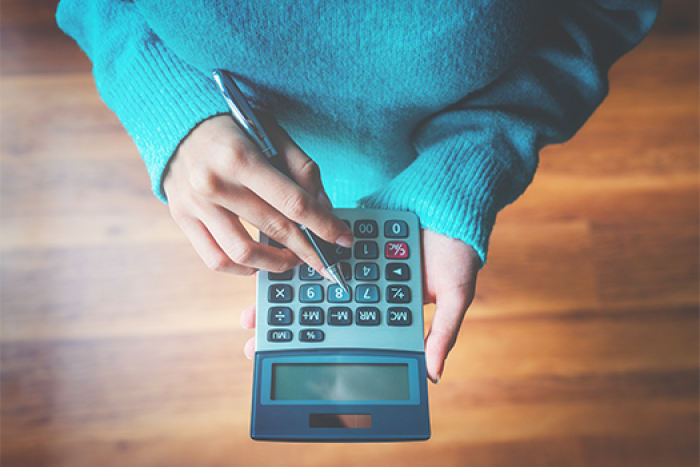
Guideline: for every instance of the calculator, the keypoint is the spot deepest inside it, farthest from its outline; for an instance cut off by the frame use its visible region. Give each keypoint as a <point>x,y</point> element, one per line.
<point>338,366</point>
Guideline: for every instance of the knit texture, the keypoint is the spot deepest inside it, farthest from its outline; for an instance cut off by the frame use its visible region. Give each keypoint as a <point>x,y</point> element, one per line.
<point>439,108</point>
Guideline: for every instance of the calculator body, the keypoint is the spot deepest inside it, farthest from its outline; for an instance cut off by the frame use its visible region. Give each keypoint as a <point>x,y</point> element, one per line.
<point>333,366</point>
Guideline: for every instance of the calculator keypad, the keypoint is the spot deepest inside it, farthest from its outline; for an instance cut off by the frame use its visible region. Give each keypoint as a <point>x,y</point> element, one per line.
<point>300,309</point>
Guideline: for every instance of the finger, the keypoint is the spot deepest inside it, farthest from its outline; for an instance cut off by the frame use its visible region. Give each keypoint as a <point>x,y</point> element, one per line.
<point>208,248</point>
<point>295,203</point>
<point>248,317</point>
<point>306,173</point>
<point>232,238</point>
<point>268,220</point>
<point>249,348</point>
<point>450,309</point>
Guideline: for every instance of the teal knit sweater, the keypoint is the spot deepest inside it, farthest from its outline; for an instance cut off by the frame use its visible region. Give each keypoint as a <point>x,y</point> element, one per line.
<point>439,107</point>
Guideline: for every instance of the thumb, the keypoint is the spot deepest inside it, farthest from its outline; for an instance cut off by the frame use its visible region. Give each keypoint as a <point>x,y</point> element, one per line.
<point>450,309</point>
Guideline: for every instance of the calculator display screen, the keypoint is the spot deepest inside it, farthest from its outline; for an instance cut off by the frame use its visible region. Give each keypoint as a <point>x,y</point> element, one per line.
<point>340,382</point>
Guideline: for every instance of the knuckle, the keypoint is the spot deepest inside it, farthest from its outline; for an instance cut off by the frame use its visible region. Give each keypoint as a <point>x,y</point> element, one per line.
<point>242,253</point>
<point>218,262</point>
<point>310,171</point>
<point>205,183</point>
<point>278,229</point>
<point>295,205</point>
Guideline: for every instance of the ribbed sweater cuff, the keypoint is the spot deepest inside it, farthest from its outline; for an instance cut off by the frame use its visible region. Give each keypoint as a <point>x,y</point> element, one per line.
<point>455,187</point>
<point>159,101</point>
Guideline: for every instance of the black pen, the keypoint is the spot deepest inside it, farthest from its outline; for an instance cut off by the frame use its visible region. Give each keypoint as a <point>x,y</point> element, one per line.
<point>245,118</point>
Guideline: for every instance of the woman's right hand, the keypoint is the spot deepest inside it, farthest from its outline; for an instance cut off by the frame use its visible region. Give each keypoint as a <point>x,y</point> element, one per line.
<point>218,177</point>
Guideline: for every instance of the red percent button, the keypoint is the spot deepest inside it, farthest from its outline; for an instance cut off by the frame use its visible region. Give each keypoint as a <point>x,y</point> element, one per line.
<point>396,250</point>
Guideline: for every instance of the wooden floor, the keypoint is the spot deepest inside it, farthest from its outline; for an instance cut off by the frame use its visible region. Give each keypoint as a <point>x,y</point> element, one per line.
<point>119,348</point>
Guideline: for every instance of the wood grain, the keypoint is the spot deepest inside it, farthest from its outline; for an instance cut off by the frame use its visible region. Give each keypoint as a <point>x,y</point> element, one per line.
<point>120,348</point>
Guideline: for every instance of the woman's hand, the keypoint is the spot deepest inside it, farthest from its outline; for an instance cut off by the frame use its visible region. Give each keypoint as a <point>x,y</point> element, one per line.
<point>450,268</point>
<point>218,176</point>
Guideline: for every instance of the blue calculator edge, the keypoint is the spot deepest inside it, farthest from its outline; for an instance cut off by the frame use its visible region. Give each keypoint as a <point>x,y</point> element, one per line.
<point>364,381</point>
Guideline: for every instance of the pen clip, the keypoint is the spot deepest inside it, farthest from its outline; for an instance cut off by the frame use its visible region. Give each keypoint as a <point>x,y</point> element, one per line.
<point>242,113</point>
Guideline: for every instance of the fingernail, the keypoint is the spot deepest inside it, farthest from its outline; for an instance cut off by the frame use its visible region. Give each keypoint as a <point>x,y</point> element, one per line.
<point>324,200</point>
<point>345,241</point>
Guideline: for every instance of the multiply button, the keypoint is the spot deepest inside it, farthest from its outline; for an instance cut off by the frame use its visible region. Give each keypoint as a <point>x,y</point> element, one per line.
<point>280,316</point>
<point>279,293</point>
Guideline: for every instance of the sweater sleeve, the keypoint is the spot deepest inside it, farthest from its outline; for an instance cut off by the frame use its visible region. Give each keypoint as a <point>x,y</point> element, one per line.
<point>158,98</point>
<point>480,154</point>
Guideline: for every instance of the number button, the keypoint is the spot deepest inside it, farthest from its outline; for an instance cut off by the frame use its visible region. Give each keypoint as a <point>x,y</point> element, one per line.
<point>365,229</point>
<point>395,229</point>
<point>398,272</point>
<point>366,294</point>
<point>339,316</point>
<point>396,250</point>
<point>342,252</point>
<point>279,335</point>
<point>280,316</point>
<point>311,335</point>
<point>279,293</point>
<point>337,295</point>
<point>346,269</point>
<point>366,271</point>
<point>311,316</point>
<point>366,250</point>
<point>399,316</point>
<point>311,293</point>
<point>398,294</point>
<point>367,316</point>
<point>281,276</point>
<point>307,273</point>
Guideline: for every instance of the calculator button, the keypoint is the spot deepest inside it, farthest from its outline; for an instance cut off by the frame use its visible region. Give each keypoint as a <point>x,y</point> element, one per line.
<point>398,272</point>
<point>311,335</point>
<point>279,335</point>
<point>339,316</point>
<point>366,250</point>
<point>366,293</point>
<point>398,294</point>
<point>395,229</point>
<point>279,293</point>
<point>366,229</point>
<point>280,316</point>
<point>347,270</point>
<point>342,252</point>
<point>307,273</point>
<point>311,316</point>
<point>280,276</point>
<point>312,293</point>
<point>336,294</point>
<point>396,250</point>
<point>367,316</point>
<point>399,316</point>
<point>366,271</point>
